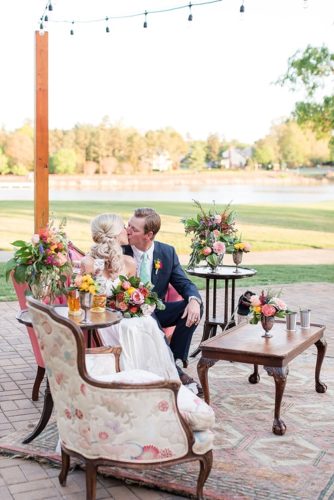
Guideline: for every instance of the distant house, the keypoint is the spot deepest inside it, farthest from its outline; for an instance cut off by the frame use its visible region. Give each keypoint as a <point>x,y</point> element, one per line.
<point>235,158</point>
<point>161,162</point>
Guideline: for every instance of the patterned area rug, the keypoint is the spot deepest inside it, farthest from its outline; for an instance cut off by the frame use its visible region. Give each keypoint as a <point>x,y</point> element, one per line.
<point>249,461</point>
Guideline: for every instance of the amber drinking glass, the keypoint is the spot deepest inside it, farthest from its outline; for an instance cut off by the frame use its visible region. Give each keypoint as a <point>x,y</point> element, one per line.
<point>99,303</point>
<point>73,302</point>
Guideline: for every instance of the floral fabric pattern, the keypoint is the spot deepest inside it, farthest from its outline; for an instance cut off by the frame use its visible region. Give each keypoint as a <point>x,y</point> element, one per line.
<point>134,425</point>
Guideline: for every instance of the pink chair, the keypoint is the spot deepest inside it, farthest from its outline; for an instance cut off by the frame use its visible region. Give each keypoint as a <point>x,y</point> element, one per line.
<point>20,289</point>
<point>171,296</point>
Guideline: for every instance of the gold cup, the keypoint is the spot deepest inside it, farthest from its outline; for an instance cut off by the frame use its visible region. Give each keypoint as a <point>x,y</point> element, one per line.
<point>73,302</point>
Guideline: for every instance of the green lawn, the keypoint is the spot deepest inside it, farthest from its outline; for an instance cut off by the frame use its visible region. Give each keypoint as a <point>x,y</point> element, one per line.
<point>266,275</point>
<point>266,227</point>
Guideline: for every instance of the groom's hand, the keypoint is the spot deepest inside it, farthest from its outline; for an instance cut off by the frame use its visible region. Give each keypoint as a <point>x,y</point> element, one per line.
<point>192,313</point>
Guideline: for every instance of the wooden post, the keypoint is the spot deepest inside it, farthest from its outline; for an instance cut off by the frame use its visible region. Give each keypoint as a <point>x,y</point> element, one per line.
<point>41,197</point>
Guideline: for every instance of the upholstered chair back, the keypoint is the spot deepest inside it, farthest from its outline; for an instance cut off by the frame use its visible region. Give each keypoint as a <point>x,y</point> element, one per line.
<point>131,423</point>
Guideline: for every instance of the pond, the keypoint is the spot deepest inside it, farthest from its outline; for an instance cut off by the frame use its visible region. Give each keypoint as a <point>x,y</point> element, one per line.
<point>236,193</point>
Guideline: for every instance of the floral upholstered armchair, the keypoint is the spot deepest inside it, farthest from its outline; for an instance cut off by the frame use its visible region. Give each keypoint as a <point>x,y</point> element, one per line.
<point>131,418</point>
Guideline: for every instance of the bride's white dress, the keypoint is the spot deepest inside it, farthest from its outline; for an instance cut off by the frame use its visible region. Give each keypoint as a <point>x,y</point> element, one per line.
<point>143,344</point>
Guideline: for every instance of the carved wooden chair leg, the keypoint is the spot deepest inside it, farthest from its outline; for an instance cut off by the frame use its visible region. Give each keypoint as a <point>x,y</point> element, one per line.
<point>205,469</point>
<point>65,465</point>
<point>38,380</point>
<point>91,470</point>
<point>45,417</point>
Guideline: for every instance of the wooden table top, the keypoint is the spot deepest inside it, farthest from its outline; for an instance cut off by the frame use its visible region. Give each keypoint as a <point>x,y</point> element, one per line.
<point>244,343</point>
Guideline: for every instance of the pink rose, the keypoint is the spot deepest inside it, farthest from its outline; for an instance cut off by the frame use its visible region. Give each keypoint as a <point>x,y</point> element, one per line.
<point>35,239</point>
<point>60,260</point>
<point>218,219</point>
<point>206,251</point>
<point>126,285</point>
<point>255,301</point>
<point>218,247</point>
<point>268,310</point>
<point>247,247</point>
<point>216,232</point>
<point>122,306</point>
<point>137,298</point>
<point>280,304</point>
<point>78,280</point>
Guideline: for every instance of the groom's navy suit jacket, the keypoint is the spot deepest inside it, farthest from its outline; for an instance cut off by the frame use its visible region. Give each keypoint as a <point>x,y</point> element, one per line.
<point>170,272</point>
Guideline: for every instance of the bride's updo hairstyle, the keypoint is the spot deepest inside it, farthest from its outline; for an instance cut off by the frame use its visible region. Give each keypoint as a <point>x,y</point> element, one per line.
<point>105,229</point>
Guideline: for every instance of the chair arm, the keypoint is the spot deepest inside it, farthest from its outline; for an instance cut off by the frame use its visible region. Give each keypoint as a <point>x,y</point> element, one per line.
<point>115,350</point>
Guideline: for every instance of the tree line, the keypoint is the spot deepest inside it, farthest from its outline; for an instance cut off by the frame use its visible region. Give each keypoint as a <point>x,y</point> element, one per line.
<point>306,138</point>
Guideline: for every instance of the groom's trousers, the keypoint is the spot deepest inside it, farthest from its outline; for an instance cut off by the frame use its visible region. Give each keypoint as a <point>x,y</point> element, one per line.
<point>181,338</point>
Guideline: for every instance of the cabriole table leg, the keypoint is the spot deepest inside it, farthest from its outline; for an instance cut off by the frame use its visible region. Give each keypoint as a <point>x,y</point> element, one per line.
<point>280,376</point>
<point>321,345</point>
<point>203,366</point>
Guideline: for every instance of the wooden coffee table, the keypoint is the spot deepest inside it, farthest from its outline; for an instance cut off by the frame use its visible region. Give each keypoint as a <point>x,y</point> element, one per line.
<point>244,344</point>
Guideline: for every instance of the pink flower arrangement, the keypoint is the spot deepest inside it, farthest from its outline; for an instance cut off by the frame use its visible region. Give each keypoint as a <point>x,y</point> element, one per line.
<point>266,304</point>
<point>213,235</point>
<point>42,262</point>
<point>133,298</point>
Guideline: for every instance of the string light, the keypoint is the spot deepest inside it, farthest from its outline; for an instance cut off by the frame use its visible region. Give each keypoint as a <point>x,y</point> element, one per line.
<point>189,6</point>
<point>72,30</point>
<point>242,8</point>
<point>145,22</point>
<point>46,18</point>
<point>107,27</point>
<point>190,17</point>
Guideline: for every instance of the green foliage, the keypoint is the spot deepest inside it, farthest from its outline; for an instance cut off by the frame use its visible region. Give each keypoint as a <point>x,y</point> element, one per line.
<point>64,161</point>
<point>4,168</point>
<point>312,70</point>
<point>195,159</point>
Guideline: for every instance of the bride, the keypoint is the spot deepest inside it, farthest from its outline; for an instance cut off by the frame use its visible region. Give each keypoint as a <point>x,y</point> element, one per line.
<point>142,341</point>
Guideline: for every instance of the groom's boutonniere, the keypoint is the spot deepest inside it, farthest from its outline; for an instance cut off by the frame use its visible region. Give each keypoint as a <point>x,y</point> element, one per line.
<point>157,265</point>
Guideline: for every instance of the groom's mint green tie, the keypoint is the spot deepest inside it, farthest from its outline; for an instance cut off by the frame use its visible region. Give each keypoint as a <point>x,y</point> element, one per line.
<point>144,271</point>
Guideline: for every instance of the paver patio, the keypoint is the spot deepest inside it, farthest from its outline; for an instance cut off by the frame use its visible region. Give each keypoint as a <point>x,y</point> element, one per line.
<point>25,479</point>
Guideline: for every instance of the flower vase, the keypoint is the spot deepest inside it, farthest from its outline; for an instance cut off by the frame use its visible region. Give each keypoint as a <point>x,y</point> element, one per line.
<point>41,289</point>
<point>215,262</point>
<point>267,323</point>
<point>237,259</point>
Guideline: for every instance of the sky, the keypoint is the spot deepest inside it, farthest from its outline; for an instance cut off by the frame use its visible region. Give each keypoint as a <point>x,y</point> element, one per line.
<point>212,75</point>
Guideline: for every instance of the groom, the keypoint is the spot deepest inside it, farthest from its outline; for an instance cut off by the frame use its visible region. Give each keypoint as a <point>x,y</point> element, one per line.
<point>157,262</point>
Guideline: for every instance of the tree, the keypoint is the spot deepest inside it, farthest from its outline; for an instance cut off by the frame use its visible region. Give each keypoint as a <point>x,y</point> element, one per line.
<point>214,148</point>
<point>293,145</point>
<point>19,148</point>
<point>313,71</point>
<point>195,159</point>
<point>64,161</point>
<point>266,151</point>
<point>4,169</point>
